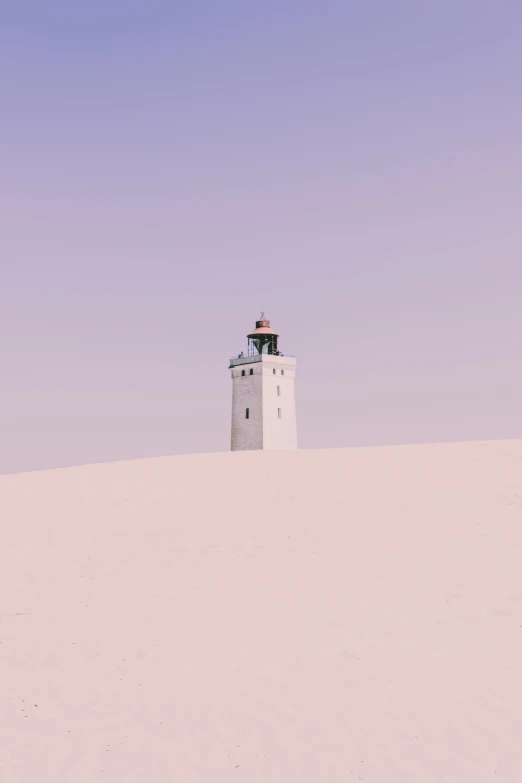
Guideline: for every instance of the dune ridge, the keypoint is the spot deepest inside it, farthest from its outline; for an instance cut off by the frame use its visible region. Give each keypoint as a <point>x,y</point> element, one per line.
<point>329,615</point>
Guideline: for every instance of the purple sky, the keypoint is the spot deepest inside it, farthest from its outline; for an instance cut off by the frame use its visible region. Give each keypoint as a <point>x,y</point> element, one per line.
<point>170,170</point>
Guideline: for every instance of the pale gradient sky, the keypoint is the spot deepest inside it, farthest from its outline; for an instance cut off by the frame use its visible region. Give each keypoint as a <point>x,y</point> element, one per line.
<point>170,170</point>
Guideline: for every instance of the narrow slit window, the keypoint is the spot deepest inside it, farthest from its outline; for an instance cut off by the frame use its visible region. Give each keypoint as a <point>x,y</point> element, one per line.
<point>282,372</point>
<point>279,413</point>
<point>278,391</point>
<point>247,413</point>
<point>251,372</point>
<point>274,370</point>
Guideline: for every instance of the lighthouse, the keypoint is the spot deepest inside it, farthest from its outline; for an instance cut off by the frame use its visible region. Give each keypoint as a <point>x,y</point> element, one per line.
<point>263,394</point>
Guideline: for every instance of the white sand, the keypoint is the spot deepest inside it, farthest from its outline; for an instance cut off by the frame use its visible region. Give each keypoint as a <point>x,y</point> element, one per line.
<point>307,616</point>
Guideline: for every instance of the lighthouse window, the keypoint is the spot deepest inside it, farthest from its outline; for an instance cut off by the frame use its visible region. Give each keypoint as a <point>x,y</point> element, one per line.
<point>251,372</point>
<point>274,371</point>
<point>247,414</point>
<point>278,391</point>
<point>279,413</point>
<point>282,372</point>
<point>242,372</point>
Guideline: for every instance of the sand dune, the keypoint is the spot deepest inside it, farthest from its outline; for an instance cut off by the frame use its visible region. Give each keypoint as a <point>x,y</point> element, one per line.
<point>302,616</point>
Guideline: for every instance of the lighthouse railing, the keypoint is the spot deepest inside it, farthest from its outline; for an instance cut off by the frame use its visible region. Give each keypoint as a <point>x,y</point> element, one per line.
<point>257,357</point>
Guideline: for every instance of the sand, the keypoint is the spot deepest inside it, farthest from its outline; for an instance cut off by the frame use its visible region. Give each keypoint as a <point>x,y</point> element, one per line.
<point>336,615</point>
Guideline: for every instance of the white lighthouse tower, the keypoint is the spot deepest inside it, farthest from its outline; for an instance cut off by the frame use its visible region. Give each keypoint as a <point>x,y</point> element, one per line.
<point>263,394</point>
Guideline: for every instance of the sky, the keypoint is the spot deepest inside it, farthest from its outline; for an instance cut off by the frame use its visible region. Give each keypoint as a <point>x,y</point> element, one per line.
<point>170,170</point>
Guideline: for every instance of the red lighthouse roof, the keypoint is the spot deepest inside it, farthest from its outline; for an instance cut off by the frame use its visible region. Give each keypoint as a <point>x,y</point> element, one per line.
<point>262,327</point>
